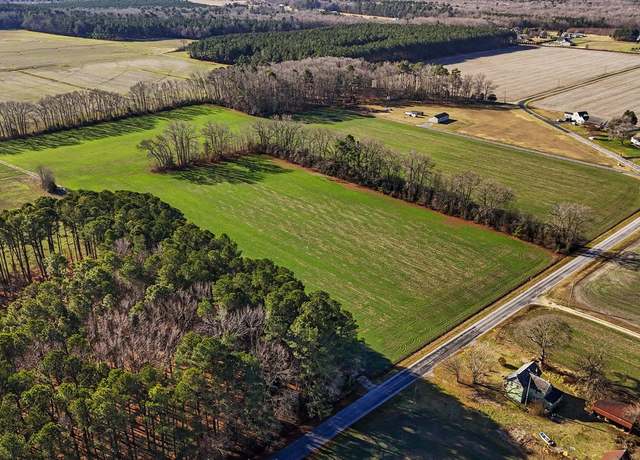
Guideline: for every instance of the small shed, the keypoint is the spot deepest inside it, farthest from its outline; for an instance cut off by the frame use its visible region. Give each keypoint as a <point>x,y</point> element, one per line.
<point>442,117</point>
<point>414,113</point>
<point>617,412</point>
<point>635,141</point>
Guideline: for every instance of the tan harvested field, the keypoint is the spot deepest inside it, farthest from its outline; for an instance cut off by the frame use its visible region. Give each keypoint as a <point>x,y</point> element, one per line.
<point>501,124</point>
<point>605,98</point>
<point>33,65</point>
<point>520,72</point>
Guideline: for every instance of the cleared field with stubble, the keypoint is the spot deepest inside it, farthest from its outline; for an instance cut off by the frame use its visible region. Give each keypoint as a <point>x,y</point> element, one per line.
<point>16,188</point>
<point>406,273</point>
<point>33,65</point>
<point>520,72</point>
<point>605,98</point>
<point>614,289</point>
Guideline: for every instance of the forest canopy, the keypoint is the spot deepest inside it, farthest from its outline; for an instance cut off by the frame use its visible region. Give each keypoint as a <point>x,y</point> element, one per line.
<point>147,337</point>
<point>373,42</point>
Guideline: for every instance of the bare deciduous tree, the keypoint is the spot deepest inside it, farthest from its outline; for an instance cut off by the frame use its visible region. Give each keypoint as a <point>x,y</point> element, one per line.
<point>47,179</point>
<point>545,333</point>
<point>567,222</point>
<point>592,372</point>
<point>478,360</point>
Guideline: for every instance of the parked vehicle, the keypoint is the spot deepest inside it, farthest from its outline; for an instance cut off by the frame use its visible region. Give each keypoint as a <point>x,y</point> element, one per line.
<point>547,440</point>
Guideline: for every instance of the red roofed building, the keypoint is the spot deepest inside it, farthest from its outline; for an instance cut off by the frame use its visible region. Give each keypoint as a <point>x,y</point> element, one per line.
<point>616,455</point>
<point>618,413</point>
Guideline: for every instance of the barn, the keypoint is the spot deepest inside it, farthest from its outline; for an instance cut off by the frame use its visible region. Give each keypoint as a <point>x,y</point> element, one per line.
<point>438,118</point>
<point>619,413</point>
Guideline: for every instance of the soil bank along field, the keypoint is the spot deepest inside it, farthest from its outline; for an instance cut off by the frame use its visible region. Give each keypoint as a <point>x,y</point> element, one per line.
<point>521,72</point>
<point>406,273</point>
<point>34,65</point>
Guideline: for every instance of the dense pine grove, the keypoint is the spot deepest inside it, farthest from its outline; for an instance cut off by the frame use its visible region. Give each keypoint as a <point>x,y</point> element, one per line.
<point>385,8</point>
<point>143,336</point>
<point>373,42</point>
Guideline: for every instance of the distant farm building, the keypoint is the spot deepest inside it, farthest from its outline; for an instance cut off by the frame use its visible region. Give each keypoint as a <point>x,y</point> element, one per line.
<point>563,41</point>
<point>414,113</point>
<point>526,385</point>
<point>621,454</point>
<point>439,118</point>
<point>621,414</point>
<point>579,118</point>
<point>635,140</point>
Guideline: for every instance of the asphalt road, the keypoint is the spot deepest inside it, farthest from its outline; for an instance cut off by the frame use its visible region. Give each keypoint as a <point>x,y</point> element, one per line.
<point>331,427</point>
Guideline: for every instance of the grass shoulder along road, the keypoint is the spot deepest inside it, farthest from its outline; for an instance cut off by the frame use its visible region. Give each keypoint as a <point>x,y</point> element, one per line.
<point>406,273</point>
<point>440,418</point>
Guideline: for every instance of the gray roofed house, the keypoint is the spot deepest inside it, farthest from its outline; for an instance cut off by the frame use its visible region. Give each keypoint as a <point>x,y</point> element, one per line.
<point>526,385</point>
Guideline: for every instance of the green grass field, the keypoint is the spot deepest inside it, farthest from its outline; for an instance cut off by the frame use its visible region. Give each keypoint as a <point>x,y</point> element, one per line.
<point>15,188</point>
<point>537,181</point>
<point>626,150</point>
<point>406,273</point>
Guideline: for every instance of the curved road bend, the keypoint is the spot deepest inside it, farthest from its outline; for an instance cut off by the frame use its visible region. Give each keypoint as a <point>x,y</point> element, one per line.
<point>331,427</point>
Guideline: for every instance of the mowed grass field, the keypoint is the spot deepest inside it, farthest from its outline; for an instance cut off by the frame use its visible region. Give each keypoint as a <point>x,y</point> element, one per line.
<point>406,273</point>
<point>605,43</point>
<point>614,289</point>
<point>34,65</point>
<point>439,418</point>
<point>520,72</point>
<point>16,188</point>
<point>606,98</point>
<point>538,181</point>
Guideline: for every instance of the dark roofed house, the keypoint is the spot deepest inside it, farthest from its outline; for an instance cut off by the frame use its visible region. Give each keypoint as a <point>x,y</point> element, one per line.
<point>526,385</point>
<point>618,413</point>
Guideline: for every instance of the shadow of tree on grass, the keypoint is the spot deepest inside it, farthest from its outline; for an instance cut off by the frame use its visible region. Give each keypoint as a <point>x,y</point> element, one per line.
<point>103,130</point>
<point>245,170</point>
<point>423,422</point>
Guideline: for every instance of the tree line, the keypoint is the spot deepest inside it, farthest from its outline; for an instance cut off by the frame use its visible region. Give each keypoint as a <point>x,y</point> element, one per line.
<point>371,41</point>
<point>412,177</point>
<point>385,8</point>
<point>288,87</point>
<point>146,337</point>
<point>141,21</point>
